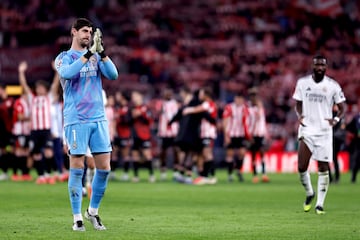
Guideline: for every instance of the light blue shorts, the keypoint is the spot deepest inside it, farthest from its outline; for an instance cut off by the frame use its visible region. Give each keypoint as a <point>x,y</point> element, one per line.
<point>95,136</point>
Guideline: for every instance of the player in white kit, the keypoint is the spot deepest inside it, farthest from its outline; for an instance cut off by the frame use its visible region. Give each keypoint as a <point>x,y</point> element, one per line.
<point>315,96</point>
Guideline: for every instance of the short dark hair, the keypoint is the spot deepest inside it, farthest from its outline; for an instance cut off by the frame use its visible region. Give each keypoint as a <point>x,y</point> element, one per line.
<point>126,95</point>
<point>82,22</point>
<point>208,92</point>
<point>319,56</point>
<point>43,83</point>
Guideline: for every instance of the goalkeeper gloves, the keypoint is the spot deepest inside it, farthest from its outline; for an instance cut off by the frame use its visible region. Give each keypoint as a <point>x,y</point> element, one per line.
<point>92,48</point>
<point>99,43</point>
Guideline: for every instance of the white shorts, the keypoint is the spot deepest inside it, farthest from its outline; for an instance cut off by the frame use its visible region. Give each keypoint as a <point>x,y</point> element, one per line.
<point>321,146</point>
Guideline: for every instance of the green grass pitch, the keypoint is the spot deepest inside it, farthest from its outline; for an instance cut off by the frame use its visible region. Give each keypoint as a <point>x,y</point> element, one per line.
<point>171,211</point>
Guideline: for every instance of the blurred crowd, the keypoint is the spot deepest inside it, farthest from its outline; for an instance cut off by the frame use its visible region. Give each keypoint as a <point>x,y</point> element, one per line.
<point>228,45</point>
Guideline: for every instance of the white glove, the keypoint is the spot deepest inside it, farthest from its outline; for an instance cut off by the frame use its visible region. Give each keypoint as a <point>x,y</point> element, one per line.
<point>99,43</point>
<point>92,49</point>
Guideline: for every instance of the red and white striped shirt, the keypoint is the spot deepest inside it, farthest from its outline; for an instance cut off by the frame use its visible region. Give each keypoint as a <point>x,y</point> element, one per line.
<point>238,120</point>
<point>21,127</point>
<point>40,112</point>
<point>257,121</point>
<point>208,130</point>
<point>168,109</point>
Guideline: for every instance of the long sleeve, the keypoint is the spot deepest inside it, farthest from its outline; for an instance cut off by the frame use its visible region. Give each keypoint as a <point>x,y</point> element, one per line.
<point>108,69</point>
<point>65,68</point>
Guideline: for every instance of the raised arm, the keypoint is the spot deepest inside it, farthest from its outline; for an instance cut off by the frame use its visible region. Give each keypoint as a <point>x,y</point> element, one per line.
<point>56,81</point>
<point>22,79</point>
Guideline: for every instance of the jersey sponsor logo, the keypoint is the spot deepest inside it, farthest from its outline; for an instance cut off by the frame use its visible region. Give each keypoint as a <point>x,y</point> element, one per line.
<point>315,97</point>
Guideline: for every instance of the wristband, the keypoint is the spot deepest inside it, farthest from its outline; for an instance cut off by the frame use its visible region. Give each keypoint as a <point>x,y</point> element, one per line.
<point>88,54</point>
<point>102,54</point>
<point>337,119</point>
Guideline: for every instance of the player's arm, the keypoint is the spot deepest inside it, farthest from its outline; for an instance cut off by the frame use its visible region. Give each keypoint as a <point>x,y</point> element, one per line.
<point>193,110</point>
<point>225,126</point>
<point>299,111</point>
<point>340,114</point>
<point>66,68</point>
<point>56,82</point>
<point>22,78</point>
<point>206,115</point>
<point>245,122</point>
<point>145,116</point>
<point>176,117</point>
<point>226,116</point>
<point>108,69</point>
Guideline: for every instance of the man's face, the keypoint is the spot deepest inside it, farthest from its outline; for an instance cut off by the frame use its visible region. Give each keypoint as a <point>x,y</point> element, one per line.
<point>136,98</point>
<point>319,68</point>
<point>239,100</point>
<point>83,36</point>
<point>40,90</point>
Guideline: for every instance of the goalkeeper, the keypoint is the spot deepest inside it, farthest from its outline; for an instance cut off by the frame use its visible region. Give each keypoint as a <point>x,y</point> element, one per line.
<point>85,125</point>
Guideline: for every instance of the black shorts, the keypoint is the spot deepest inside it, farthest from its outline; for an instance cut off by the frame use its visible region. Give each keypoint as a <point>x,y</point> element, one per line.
<point>237,142</point>
<point>258,143</point>
<point>40,139</point>
<point>6,138</point>
<point>167,142</point>
<point>139,144</point>
<point>122,142</point>
<point>190,147</point>
<point>207,142</point>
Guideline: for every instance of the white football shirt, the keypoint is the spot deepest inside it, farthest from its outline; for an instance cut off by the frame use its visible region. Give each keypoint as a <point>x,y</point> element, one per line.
<point>317,103</point>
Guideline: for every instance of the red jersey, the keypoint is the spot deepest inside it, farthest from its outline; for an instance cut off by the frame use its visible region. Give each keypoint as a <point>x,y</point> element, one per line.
<point>123,118</point>
<point>207,129</point>
<point>141,124</point>
<point>40,112</point>
<point>238,116</point>
<point>168,110</point>
<point>21,127</point>
<point>6,109</point>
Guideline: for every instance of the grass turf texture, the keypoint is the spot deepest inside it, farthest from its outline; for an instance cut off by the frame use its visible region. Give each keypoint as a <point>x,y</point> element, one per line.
<point>168,210</point>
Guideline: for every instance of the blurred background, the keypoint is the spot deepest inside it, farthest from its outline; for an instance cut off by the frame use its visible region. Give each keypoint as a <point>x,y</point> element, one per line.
<point>230,45</point>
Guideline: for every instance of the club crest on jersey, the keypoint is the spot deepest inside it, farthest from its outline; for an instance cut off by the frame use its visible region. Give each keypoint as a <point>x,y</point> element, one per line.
<point>59,63</point>
<point>74,145</point>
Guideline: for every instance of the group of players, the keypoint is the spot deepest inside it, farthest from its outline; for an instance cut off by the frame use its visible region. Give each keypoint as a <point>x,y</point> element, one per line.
<point>183,129</point>
<point>187,129</point>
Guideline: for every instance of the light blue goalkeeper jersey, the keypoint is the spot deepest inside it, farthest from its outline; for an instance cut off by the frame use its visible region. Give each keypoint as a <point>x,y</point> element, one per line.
<point>82,86</point>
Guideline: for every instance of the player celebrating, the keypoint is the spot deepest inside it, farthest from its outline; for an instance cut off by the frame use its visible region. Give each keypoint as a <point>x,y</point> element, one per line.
<point>208,135</point>
<point>85,123</point>
<point>41,145</point>
<point>315,96</point>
